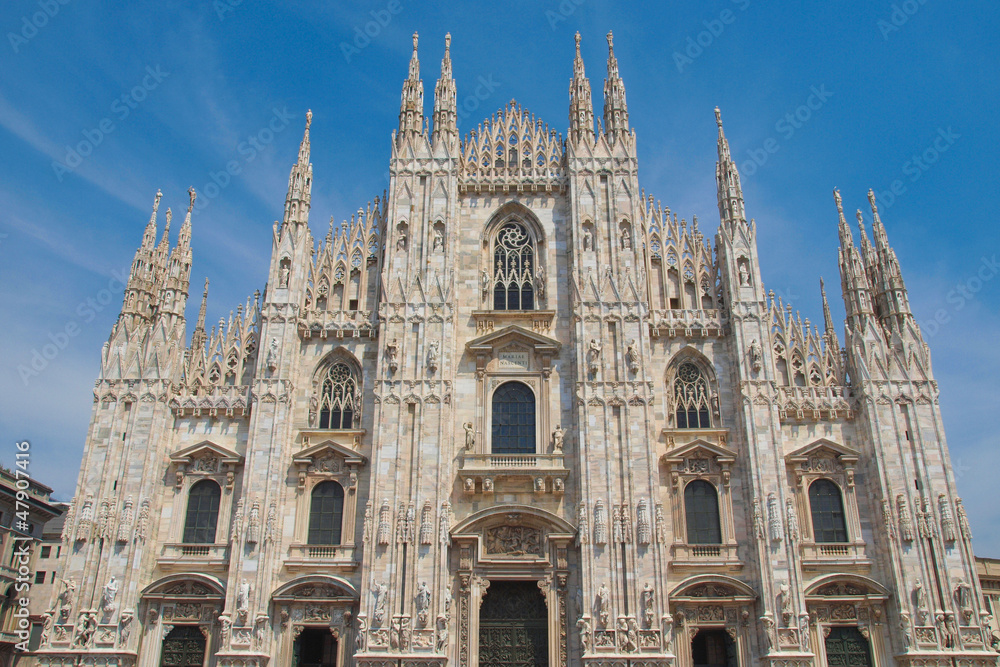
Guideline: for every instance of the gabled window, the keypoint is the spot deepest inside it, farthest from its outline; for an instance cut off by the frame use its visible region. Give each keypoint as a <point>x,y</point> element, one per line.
<point>513,268</point>
<point>339,397</point>
<point>202,513</point>
<point>827,508</point>
<point>326,513</point>
<point>701,512</point>
<point>513,419</point>
<point>691,397</point>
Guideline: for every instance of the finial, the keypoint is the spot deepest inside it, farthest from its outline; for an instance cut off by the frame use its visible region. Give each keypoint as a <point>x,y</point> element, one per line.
<point>836,198</point>
<point>166,227</point>
<point>309,118</point>
<point>577,38</point>
<point>861,218</point>
<point>447,42</point>
<point>611,42</point>
<point>718,117</point>
<point>205,293</point>
<point>414,42</point>
<point>191,194</point>
<point>822,286</point>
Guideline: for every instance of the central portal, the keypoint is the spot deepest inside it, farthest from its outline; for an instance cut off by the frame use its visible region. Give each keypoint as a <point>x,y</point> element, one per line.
<point>513,626</point>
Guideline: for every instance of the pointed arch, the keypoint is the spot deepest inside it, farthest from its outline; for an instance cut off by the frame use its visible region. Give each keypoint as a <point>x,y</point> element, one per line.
<point>692,390</point>
<point>337,387</point>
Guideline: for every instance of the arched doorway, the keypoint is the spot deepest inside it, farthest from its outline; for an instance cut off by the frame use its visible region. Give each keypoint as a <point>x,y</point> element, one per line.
<point>184,646</point>
<point>714,648</point>
<point>315,647</point>
<point>513,626</point>
<point>847,647</point>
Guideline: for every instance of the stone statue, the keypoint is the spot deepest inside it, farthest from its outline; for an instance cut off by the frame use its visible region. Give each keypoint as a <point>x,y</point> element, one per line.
<point>632,356</point>
<point>744,275</point>
<point>433,355</point>
<point>647,605</point>
<point>272,355</point>
<point>379,591</point>
<point>604,604</point>
<point>108,594</point>
<point>86,627</point>
<point>283,276</point>
<point>401,240</point>
<point>484,282</point>
<point>359,636</point>
<point>594,355</point>
<point>438,240</point>
<point>588,240</point>
<point>423,600</point>
<point>470,436</point>
<point>586,634</point>
<point>540,284</point>
<point>442,634</point>
<point>243,598</point>
<point>626,239</point>
<point>391,354</point>
<point>557,439</point>
<point>755,356</point>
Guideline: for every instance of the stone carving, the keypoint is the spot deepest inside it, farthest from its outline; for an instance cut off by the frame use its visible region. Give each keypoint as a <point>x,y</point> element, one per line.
<point>470,436</point>
<point>271,360</point>
<point>142,522</point>
<point>48,619</point>
<point>963,519</point>
<point>756,356</point>
<point>392,355</point>
<point>108,595</point>
<point>86,626</point>
<point>423,600</point>
<point>438,241</point>
<point>379,590</point>
<point>84,527</point>
<point>773,517</point>
<point>905,524</point>
<point>513,541</point>
<point>243,600</point>
<point>445,531</point>
<point>947,519</point>
<point>539,485</point>
<point>383,523</point>
<point>661,528</point>
<point>920,601</point>
<point>604,605</point>
<point>887,521</point>
<point>485,283</point>
<point>401,238</point>
<point>104,522</point>
<point>647,605</point>
<point>125,522</point>
<point>586,634</point>
<point>785,595</point>
<point>270,523</point>
<point>540,282</point>
<point>744,273</point>
<point>253,523</point>
<point>642,519</point>
<point>433,355</point>
<point>366,532</point>
<point>758,520</point>
<point>963,595</point>
<point>600,523</point>
<point>441,643</point>
<point>582,527</point>
<point>558,436</point>
<point>360,635</point>
<point>792,520</point>
<point>628,636</point>
<point>426,524</point>
<point>632,356</point>
<point>237,523</point>
<point>588,239</point>
<point>594,356</point>
<point>769,634</point>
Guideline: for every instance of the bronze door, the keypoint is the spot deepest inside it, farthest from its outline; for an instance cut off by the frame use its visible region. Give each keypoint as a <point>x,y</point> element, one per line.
<point>847,647</point>
<point>513,626</point>
<point>183,647</point>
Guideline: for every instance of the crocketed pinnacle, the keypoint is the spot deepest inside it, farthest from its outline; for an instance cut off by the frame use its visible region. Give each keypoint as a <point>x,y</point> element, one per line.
<point>581,106</point>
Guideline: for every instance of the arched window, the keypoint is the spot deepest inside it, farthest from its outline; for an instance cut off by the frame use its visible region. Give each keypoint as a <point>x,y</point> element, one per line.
<point>339,397</point>
<point>513,419</point>
<point>701,511</point>
<point>326,513</point>
<point>691,397</point>
<point>202,513</point>
<point>513,268</point>
<point>827,512</point>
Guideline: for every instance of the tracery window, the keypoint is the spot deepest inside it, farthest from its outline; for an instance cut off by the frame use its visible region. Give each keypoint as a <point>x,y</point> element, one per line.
<point>827,509</point>
<point>701,513</point>
<point>691,397</point>
<point>513,268</point>
<point>326,513</point>
<point>202,513</point>
<point>513,419</point>
<point>339,397</point>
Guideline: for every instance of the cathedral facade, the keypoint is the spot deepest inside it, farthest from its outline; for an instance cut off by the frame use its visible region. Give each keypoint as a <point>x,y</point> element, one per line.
<point>515,413</point>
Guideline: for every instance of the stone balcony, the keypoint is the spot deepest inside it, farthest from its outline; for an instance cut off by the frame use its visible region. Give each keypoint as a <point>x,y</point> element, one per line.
<point>305,556</point>
<point>705,556</point>
<point>188,556</point>
<point>690,323</point>
<point>480,472</point>
<point>833,554</point>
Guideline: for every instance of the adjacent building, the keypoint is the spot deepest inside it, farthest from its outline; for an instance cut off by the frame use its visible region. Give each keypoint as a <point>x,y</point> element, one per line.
<point>517,412</point>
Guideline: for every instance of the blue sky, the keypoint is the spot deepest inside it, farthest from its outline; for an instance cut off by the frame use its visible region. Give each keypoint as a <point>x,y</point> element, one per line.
<point>169,92</point>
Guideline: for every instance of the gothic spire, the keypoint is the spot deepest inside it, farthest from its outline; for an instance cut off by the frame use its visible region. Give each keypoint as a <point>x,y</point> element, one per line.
<point>199,337</point>
<point>149,237</point>
<point>854,276</point>
<point>184,238</point>
<point>411,107</point>
<point>300,182</point>
<point>615,107</point>
<point>890,290</point>
<point>829,329</point>
<point>445,99</point>
<point>581,106</point>
<point>846,240</point>
<point>727,177</point>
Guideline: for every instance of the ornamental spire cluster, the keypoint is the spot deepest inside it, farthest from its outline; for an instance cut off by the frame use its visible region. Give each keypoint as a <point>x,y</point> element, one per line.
<point>411,106</point>
<point>445,104</point>
<point>581,106</point>
<point>615,106</point>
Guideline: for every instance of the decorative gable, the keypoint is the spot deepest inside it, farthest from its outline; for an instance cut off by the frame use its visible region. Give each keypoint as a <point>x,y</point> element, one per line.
<point>328,459</point>
<point>206,459</point>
